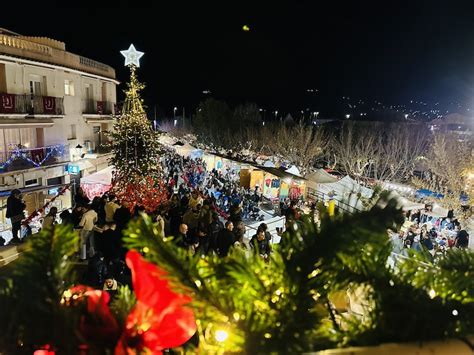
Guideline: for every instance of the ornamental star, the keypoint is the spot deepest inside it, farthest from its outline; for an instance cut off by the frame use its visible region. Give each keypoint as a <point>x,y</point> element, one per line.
<point>132,56</point>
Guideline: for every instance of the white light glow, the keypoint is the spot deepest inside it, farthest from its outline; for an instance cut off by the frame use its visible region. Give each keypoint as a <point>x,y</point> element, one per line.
<point>221,335</point>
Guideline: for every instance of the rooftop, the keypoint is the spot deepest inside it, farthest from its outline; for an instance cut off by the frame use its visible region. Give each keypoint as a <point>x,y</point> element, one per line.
<point>51,51</point>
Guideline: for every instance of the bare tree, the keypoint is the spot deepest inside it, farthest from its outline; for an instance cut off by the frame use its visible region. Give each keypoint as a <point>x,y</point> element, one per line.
<point>354,150</point>
<point>299,144</point>
<point>398,147</point>
<point>449,166</point>
<point>378,152</point>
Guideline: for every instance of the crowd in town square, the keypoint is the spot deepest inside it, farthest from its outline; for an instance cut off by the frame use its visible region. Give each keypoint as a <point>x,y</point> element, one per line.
<point>207,213</point>
<point>422,232</point>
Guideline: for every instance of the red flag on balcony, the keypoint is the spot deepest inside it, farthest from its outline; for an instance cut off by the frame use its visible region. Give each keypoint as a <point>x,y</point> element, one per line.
<point>49,104</point>
<point>100,107</point>
<point>7,103</point>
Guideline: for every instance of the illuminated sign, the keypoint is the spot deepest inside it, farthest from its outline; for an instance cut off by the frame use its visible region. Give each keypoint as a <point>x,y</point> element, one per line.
<point>53,191</point>
<point>73,169</point>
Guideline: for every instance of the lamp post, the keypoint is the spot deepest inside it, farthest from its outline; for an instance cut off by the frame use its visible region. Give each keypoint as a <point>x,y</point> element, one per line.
<point>175,121</point>
<point>263,110</point>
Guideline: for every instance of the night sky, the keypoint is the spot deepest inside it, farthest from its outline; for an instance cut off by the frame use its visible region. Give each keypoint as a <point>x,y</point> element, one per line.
<point>391,52</point>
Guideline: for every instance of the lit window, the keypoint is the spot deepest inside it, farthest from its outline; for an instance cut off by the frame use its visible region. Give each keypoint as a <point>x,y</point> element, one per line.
<point>68,87</point>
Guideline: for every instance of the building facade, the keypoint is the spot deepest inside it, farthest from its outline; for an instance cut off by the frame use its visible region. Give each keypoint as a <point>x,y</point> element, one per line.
<point>56,109</point>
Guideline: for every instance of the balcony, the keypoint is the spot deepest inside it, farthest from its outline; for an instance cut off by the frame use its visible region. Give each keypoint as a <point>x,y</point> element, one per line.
<point>31,105</point>
<point>98,108</point>
<point>21,158</point>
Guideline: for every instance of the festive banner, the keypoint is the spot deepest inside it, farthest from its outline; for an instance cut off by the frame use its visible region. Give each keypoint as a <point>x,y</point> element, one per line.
<point>49,104</point>
<point>39,212</point>
<point>7,103</point>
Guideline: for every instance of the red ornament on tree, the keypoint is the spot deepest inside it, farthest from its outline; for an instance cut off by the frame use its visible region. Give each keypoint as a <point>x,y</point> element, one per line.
<point>160,319</point>
<point>147,193</point>
<point>97,325</point>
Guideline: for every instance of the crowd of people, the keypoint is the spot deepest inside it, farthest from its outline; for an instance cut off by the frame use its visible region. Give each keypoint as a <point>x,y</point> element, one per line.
<point>205,213</point>
<point>221,187</point>
<point>422,232</point>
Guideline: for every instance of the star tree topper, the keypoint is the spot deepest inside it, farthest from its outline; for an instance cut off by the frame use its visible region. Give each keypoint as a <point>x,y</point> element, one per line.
<point>132,56</point>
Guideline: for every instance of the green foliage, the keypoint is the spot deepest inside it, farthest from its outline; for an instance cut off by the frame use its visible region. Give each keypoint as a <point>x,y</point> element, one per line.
<point>31,313</point>
<point>122,304</point>
<point>284,305</point>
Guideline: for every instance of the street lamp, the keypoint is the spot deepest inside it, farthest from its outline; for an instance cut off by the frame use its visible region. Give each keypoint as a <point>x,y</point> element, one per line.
<point>348,116</point>
<point>174,112</point>
<point>263,110</point>
<point>276,114</point>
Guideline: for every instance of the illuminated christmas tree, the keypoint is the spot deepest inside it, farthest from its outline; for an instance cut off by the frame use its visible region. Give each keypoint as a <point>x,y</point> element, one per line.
<point>137,180</point>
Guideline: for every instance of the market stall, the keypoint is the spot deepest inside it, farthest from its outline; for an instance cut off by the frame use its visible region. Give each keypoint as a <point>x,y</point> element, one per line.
<point>347,192</point>
<point>188,151</point>
<point>276,183</point>
<point>405,204</point>
<point>98,183</point>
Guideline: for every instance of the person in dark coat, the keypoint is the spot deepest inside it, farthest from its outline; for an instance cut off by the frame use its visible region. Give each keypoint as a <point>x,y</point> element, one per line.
<point>261,244</point>
<point>214,229</point>
<point>264,227</point>
<point>66,217</point>
<point>96,271</point>
<point>462,240</point>
<point>225,239</point>
<point>81,199</point>
<point>202,240</point>
<point>15,207</point>
<point>235,213</point>
<point>110,242</point>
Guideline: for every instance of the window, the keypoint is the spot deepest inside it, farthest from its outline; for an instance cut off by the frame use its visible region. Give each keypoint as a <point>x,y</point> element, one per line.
<point>37,85</point>
<point>72,132</point>
<point>55,181</point>
<point>32,182</point>
<point>68,87</point>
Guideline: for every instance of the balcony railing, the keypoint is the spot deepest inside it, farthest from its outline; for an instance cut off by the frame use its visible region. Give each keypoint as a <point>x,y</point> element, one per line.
<point>93,107</point>
<point>19,157</point>
<point>52,52</point>
<point>31,104</point>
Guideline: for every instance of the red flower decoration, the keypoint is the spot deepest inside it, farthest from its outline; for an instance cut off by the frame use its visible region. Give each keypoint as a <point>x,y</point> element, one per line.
<point>160,319</point>
<point>97,325</point>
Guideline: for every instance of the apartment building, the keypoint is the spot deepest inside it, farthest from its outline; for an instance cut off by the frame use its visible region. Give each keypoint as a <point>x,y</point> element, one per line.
<point>56,109</point>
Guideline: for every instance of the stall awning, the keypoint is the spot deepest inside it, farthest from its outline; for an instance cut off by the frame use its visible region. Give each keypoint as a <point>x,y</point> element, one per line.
<point>282,174</point>
<point>320,176</point>
<point>103,177</point>
<point>98,183</point>
<point>405,204</point>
